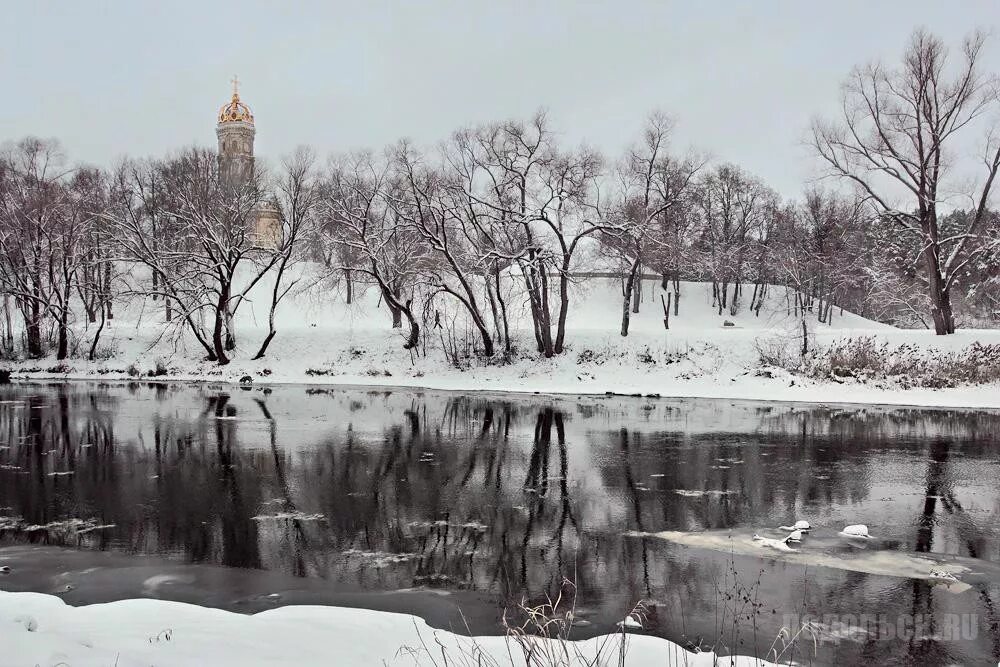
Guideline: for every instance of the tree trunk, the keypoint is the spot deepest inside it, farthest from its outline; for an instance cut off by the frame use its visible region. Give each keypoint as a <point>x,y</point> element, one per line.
<point>666,310</point>
<point>636,291</point>
<point>230,329</point>
<point>503,310</point>
<point>218,339</point>
<point>106,290</point>
<point>97,336</point>
<point>536,281</point>
<point>628,291</point>
<point>677,293</point>
<point>33,330</point>
<point>63,348</point>
<point>349,285</point>
<point>391,298</point>
<point>944,322</point>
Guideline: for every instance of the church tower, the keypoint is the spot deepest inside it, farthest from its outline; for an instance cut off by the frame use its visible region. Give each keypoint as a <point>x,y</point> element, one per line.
<point>235,132</point>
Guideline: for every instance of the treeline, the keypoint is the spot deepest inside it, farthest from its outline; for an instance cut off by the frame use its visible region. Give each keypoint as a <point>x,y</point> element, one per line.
<point>502,216</point>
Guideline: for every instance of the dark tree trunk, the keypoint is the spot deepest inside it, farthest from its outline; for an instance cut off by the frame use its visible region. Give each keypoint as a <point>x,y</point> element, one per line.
<point>636,291</point>
<point>677,293</point>
<point>230,329</point>
<point>106,290</point>
<point>944,321</point>
<point>97,336</point>
<point>628,291</point>
<point>33,332</point>
<point>218,337</point>
<point>503,311</point>
<point>33,326</point>
<point>391,298</point>
<point>536,281</point>
<point>666,310</point>
<point>62,350</point>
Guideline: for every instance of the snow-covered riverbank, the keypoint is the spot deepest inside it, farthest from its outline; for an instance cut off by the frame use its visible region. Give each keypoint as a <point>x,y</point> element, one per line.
<point>38,629</point>
<point>324,341</point>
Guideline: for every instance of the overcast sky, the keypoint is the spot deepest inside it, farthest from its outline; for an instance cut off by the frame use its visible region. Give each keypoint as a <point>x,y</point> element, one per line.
<point>741,78</point>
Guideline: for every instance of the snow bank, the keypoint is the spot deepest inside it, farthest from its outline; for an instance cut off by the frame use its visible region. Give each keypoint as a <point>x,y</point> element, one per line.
<point>322,340</point>
<point>38,629</point>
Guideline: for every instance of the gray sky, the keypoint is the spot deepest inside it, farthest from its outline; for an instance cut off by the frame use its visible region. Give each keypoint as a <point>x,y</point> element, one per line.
<point>741,78</point>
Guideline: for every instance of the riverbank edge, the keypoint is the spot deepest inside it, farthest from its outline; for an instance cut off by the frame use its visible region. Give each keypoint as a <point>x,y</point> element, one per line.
<point>783,388</point>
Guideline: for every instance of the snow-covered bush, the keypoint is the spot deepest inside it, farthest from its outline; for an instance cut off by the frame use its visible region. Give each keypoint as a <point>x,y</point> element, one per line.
<point>868,359</point>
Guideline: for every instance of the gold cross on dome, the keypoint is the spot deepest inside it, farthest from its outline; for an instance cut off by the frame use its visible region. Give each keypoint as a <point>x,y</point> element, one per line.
<point>236,85</point>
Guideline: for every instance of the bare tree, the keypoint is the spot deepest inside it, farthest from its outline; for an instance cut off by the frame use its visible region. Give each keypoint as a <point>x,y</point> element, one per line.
<point>296,201</point>
<point>356,215</point>
<point>213,226</point>
<point>896,141</point>
<point>653,183</point>
<point>550,199</point>
<point>40,239</point>
<point>431,202</point>
<point>734,208</point>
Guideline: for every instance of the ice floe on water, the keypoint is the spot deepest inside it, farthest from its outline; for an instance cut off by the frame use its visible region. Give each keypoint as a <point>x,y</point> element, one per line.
<point>474,526</point>
<point>72,526</point>
<point>823,551</point>
<point>284,516</point>
<point>381,559</point>
<point>696,493</point>
<point>152,586</point>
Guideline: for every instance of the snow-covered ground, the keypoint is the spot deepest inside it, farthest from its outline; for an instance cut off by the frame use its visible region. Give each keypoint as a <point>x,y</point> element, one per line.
<point>323,340</point>
<point>39,629</point>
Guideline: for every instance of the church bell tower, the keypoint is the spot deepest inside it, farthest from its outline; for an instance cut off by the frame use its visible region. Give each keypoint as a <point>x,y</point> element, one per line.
<point>235,132</point>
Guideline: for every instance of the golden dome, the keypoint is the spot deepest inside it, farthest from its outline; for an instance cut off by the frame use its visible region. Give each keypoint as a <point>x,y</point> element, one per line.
<point>235,111</point>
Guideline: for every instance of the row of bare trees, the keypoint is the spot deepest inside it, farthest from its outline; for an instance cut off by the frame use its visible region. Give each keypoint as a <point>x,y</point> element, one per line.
<point>502,218</point>
<point>52,246</point>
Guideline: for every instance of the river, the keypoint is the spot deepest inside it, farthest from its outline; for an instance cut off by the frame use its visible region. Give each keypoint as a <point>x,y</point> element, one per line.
<point>459,508</point>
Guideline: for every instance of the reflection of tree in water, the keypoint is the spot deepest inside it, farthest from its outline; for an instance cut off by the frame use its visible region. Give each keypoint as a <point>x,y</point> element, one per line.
<point>460,492</point>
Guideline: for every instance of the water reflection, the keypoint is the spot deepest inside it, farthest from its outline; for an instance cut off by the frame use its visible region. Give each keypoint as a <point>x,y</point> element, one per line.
<point>389,490</point>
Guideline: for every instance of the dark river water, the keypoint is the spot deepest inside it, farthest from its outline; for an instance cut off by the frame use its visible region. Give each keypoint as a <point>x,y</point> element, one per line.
<point>456,507</point>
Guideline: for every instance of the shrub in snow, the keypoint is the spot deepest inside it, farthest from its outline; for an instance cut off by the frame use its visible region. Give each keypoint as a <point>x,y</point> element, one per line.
<point>29,622</point>
<point>779,351</point>
<point>588,356</point>
<point>160,369</point>
<point>866,359</point>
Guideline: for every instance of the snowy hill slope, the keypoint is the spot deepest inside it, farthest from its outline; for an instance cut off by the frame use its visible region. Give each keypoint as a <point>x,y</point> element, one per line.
<point>322,339</point>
